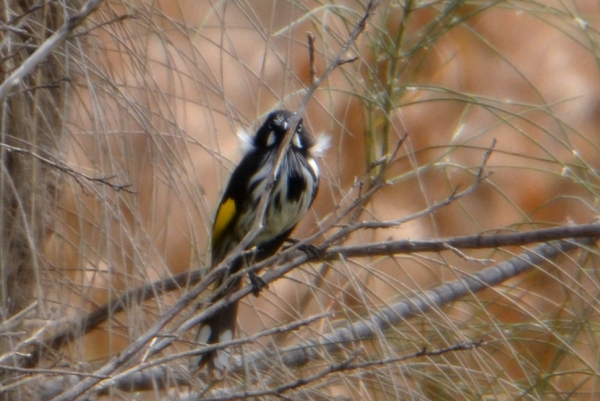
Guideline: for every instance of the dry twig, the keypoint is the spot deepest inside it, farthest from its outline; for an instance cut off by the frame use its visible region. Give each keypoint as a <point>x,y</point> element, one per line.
<point>42,52</point>
<point>70,171</point>
<point>189,297</point>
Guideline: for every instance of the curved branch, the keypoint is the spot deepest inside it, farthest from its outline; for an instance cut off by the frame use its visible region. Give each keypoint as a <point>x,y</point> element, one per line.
<point>157,288</point>
<point>395,314</point>
<point>336,341</point>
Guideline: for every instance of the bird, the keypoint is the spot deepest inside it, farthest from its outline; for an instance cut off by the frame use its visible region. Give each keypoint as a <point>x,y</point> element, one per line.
<point>293,192</point>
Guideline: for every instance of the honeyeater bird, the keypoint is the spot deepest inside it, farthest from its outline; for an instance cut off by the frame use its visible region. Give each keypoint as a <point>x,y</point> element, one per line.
<point>293,192</point>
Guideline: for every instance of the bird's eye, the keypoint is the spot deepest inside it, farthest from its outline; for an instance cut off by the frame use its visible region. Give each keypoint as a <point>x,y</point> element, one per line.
<point>270,124</point>
<point>299,127</point>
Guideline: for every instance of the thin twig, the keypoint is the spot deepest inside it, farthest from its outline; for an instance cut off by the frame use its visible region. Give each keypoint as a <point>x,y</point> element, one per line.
<point>461,346</point>
<point>46,48</point>
<point>33,9</point>
<point>454,196</point>
<point>339,59</point>
<point>343,366</point>
<point>478,241</point>
<point>50,85</point>
<point>302,354</point>
<point>70,171</point>
<point>311,56</point>
<point>395,314</point>
<point>279,272</point>
<point>160,287</point>
<point>143,378</point>
<point>129,299</point>
<point>118,18</point>
<point>389,157</point>
<point>17,319</point>
<point>278,391</point>
<point>136,346</point>
<point>47,372</point>
<point>123,379</point>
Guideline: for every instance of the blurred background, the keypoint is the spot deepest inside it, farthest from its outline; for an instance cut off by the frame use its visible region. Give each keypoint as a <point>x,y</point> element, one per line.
<point>156,93</point>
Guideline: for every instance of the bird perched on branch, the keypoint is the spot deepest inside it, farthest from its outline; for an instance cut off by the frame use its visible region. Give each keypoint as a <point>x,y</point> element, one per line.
<point>294,190</point>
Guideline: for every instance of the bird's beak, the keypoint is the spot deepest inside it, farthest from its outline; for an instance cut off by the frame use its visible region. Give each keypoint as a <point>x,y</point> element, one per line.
<point>286,125</point>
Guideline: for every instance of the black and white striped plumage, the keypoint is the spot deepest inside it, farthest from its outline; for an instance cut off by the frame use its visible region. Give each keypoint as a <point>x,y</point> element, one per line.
<point>293,193</point>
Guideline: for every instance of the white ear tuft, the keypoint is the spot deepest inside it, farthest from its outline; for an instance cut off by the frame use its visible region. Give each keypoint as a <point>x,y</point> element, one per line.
<point>322,143</point>
<point>246,141</point>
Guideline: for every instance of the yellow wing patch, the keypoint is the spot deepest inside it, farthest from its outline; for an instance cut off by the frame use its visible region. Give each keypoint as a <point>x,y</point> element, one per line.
<point>224,215</point>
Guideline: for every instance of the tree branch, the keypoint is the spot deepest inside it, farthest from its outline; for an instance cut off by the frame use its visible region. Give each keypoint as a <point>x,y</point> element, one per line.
<point>478,241</point>
<point>311,56</point>
<point>344,366</point>
<point>47,47</point>
<point>70,171</point>
<point>365,329</point>
<point>136,296</point>
<point>216,271</point>
<point>299,355</point>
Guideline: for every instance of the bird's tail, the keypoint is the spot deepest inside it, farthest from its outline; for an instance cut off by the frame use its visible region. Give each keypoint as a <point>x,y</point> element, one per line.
<point>218,329</point>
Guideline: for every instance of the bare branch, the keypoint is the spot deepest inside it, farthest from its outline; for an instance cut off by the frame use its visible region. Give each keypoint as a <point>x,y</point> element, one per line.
<point>478,241</point>
<point>119,18</point>
<point>127,300</point>
<point>122,378</point>
<point>47,47</point>
<point>311,56</point>
<point>50,85</point>
<point>47,372</point>
<point>455,195</point>
<point>395,314</point>
<point>348,60</point>
<point>216,271</point>
<point>76,329</point>
<point>70,171</point>
<point>339,59</point>
<point>354,332</point>
<point>389,157</point>
<point>19,17</point>
<point>278,391</point>
<point>157,374</point>
<point>343,366</point>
